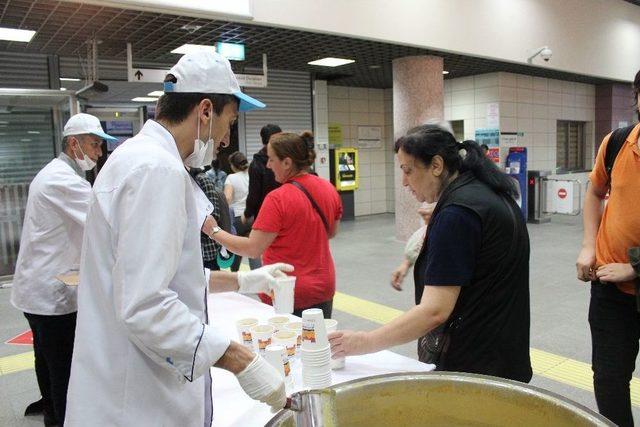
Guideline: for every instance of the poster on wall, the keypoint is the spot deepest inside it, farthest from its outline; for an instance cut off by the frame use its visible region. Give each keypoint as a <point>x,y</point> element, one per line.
<point>493,115</point>
<point>491,138</point>
<point>335,135</point>
<point>369,136</point>
<point>346,172</point>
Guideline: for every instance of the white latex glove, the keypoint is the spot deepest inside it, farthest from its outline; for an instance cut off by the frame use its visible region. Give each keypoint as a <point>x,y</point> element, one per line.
<point>263,279</point>
<point>263,382</point>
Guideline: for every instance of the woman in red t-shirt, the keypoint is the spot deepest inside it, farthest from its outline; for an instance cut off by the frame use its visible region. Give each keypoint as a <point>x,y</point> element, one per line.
<point>289,228</point>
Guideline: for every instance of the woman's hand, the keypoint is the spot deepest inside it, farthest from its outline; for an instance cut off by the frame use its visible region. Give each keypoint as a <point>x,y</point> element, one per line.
<point>398,275</point>
<point>349,343</point>
<point>616,273</point>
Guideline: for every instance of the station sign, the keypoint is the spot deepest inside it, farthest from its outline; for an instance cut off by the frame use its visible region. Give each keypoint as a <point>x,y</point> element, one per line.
<point>153,75</point>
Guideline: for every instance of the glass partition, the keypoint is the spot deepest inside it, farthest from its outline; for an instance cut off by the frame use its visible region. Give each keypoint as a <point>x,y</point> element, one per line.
<point>29,139</point>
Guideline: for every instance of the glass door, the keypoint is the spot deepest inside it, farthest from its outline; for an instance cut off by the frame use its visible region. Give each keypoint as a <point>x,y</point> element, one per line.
<point>30,135</point>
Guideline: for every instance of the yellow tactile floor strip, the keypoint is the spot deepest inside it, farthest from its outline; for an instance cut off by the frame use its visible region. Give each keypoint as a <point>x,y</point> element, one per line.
<point>549,365</point>
<point>16,363</point>
<point>372,311</point>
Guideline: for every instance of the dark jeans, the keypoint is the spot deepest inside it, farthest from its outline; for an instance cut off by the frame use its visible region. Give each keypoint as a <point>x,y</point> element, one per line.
<point>615,330</point>
<point>53,347</point>
<point>326,307</point>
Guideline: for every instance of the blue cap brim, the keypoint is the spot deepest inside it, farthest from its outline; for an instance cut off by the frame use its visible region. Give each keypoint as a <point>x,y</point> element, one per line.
<point>104,136</point>
<point>248,103</point>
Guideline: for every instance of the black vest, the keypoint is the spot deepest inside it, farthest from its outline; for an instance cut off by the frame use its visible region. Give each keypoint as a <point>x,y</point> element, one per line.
<point>489,326</point>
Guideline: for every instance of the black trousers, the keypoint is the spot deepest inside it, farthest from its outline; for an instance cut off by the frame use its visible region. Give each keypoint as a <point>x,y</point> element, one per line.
<point>326,307</point>
<point>615,331</point>
<point>53,347</point>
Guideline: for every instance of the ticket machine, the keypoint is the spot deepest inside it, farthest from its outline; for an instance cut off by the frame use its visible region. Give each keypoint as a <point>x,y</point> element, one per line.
<point>345,175</point>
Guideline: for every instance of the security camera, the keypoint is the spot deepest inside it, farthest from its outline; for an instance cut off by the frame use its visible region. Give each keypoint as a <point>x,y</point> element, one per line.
<point>544,52</point>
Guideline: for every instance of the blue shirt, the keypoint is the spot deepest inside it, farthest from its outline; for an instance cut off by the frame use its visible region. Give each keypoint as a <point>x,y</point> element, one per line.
<point>453,243</point>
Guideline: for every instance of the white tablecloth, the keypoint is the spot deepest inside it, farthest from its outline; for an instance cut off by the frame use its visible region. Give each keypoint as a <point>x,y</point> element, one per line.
<point>232,407</point>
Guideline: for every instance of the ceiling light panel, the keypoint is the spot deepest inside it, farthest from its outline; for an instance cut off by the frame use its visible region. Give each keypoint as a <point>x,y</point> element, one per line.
<point>188,48</point>
<point>331,62</point>
<point>15,35</point>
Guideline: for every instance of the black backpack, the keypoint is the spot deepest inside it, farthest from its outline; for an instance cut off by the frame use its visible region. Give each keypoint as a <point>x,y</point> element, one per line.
<point>616,141</point>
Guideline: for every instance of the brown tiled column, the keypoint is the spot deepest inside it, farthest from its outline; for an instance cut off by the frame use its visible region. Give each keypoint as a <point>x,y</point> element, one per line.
<point>614,108</point>
<point>418,97</point>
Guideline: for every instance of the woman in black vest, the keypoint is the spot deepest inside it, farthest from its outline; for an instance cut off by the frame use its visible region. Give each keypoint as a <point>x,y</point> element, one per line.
<point>472,275</point>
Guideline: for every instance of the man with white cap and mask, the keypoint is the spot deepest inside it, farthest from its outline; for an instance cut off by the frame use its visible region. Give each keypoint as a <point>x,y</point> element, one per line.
<point>143,344</point>
<point>50,246</point>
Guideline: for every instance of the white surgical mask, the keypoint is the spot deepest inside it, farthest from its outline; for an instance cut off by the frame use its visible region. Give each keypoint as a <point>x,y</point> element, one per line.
<point>86,164</point>
<point>210,154</point>
<point>197,159</point>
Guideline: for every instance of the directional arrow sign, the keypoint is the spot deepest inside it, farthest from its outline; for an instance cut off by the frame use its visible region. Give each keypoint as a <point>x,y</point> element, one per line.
<point>146,75</point>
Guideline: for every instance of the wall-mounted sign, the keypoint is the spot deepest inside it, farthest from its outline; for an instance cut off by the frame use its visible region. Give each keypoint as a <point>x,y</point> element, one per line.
<point>493,115</point>
<point>490,137</point>
<point>335,135</point>
<point>509,139</point>
<point>369,136</point>
<point>251,80</point>
<point>346,171</point>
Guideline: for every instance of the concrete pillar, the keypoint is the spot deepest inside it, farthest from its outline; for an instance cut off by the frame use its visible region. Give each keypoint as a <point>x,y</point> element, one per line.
<point>418,97</point>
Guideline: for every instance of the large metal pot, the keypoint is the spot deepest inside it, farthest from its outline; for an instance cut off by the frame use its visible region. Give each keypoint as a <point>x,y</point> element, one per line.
<point>449,399</point>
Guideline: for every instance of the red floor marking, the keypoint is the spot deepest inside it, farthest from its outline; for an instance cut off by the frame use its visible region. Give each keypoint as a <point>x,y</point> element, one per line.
<point>25,338</point>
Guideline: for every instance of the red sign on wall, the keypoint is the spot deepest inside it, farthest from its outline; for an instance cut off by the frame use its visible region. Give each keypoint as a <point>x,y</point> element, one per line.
<point>562,193</point>
<point>25,338</point>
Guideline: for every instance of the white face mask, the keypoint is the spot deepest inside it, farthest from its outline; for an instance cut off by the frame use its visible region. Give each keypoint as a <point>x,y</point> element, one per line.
<point>210,154</point>
<point>86,164</point>
<point>197,159</point>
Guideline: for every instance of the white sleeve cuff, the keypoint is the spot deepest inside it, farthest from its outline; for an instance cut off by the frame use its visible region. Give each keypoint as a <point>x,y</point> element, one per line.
<point>213,345</point>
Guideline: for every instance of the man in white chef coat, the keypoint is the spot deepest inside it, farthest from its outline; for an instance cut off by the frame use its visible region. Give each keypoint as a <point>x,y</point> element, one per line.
<point>142,342</point>
<point>50,246</point>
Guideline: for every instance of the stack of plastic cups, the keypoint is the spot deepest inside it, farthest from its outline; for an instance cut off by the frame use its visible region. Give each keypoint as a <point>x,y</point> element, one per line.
<point>315,351</point>
<point>332,326</point>
<point>277,357</point>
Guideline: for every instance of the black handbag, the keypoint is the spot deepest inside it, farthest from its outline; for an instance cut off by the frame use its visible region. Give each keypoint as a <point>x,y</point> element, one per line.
<point>433,346</point>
